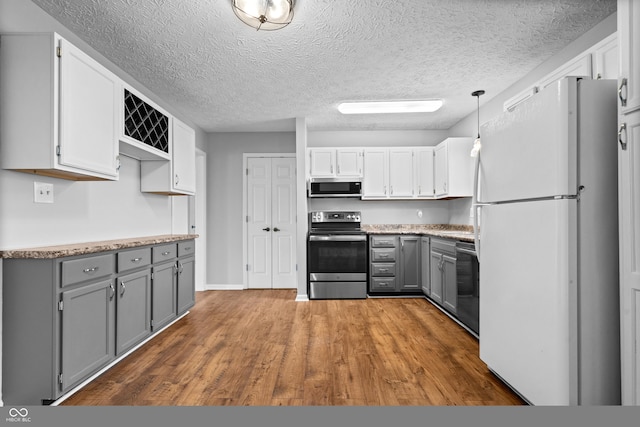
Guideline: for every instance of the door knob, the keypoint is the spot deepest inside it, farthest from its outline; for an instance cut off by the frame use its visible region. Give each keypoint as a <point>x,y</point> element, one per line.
<point>276,229</point>
<point>266,229</point>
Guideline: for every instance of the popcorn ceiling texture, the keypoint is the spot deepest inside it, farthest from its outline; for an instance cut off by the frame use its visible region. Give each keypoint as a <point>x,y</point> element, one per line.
<point>225,76</point>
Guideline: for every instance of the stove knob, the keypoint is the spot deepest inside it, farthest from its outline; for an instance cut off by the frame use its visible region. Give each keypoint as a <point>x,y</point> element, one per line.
<point>348,216</point>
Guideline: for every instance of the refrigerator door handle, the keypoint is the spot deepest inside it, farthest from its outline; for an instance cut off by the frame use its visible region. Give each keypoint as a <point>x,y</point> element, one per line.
<point>474,202</point>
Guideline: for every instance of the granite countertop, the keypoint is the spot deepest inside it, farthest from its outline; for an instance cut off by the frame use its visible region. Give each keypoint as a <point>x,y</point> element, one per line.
<point>448,231</point>
<point>59,251</point>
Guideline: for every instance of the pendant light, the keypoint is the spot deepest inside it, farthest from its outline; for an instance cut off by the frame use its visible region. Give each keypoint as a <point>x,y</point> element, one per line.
<point>476,144</point>
<point>264,14</point>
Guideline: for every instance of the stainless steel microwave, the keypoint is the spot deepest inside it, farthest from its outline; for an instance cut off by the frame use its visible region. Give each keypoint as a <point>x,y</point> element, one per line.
<point>334,187</point>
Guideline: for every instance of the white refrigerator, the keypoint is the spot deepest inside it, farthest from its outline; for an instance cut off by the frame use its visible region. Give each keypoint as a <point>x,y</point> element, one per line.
<point>548,245</point>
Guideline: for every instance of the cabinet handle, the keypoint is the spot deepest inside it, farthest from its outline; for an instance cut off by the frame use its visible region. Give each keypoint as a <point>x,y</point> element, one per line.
<point>391,189</point>
<point>136,259</point>
<point>623,85</point>
<point>180,267</point>
<point>90,270</point>
<point>118,163</point>
<point>113,291</point>
<point>166,253</point>
<point>331,169</point>
<point>338,168</point>
<point>385,189</point>
<point>122,288</point>
<point>383,255</point>
<point>383,270</point>
<point>177,179</point>
<point>623,143</point>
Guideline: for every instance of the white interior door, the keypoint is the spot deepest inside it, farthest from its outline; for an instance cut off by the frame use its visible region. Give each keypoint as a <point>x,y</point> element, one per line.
<point>271,222</point>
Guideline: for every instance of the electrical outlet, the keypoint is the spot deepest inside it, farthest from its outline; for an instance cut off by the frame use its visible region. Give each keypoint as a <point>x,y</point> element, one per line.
<point>42,192</point>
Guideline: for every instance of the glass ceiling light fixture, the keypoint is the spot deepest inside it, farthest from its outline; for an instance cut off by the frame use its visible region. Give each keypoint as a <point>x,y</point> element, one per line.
<point>264,14</point>
<point>386,107</point>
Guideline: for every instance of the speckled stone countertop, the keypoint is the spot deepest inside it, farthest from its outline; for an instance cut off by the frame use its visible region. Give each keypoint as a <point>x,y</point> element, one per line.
<point>447,231</point>
<point>59,251</point>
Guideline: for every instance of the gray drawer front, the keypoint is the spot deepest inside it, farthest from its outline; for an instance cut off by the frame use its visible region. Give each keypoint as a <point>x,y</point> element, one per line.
<point>164,252</point>
<point>383,241</point>
<point>83,269</point>
<point>187,248</point>
<point>446,246</point>
<point>128,260</point>
<point>383,269</point>
<point>383,254</point>
<point>383,284</point>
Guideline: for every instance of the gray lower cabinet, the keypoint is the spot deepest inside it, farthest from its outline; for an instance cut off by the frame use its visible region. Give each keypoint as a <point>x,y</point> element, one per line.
<point>395,264</point>
<point>87,318</point>
<point>425,268</point>
<point>186,282</point>
<point>65,319</point>
<point>133,310</point>
<point>164,295</point>
<point>444,288</point>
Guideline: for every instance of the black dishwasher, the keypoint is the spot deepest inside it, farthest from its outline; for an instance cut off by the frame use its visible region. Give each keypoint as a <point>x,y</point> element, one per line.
<point>468,284</point>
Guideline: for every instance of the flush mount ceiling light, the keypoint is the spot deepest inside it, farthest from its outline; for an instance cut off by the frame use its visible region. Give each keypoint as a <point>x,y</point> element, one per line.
<point>382,107</point>
<point>264,14</point>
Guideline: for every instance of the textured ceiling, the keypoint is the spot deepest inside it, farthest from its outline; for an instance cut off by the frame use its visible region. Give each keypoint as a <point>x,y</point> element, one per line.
<point>225,76</point>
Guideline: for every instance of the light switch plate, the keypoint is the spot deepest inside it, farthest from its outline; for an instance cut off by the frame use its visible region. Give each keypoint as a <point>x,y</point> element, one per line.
<point>42,192</point>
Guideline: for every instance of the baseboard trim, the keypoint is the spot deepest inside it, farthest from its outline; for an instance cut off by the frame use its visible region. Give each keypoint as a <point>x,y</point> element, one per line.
<point>222,287</point>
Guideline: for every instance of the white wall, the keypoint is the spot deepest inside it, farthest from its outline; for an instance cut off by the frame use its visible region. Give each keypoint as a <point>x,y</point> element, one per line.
<point>224,197</point>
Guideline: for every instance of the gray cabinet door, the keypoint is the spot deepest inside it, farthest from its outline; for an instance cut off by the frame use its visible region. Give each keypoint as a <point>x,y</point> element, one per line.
<point>436,276</point>
<point>409,263</point>
<point>87,331</point>
<point>425,255</point>
<point>133,310</point>
<point>164,295</point>
<point>450,285</point>
<point>186,284</point>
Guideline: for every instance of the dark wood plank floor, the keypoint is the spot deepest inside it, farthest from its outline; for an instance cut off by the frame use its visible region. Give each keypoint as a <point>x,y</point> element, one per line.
<point>260,347</point>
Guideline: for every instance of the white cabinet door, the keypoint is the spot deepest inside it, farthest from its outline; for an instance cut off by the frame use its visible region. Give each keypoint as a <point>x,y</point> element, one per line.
<point>88,113</point>
<point>441,169</point>
<point>184,158</point>
<point>401,172</point>
<point>579,67</point>
<point>376,171</point>
<point>629,211</point>
<point>629,39</point>
<point>349,162</point>
<point>605,58</point>
<point>424,172</point>
<point>322,162</point>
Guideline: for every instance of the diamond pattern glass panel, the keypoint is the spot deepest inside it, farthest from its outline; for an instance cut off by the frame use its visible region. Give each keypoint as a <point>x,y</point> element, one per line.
<point>144,123</point>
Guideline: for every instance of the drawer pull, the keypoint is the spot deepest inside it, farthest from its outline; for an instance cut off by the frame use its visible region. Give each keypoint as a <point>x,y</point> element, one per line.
<point>383,270</point>
<point>90,270</point>
<point>136,259</point>
<point>188,248</point>
<point>383,255</point>
<point>166,253</point>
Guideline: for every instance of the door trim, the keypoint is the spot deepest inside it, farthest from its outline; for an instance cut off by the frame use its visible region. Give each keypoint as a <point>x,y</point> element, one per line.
<point>245,193</point>
<point>198,211</point>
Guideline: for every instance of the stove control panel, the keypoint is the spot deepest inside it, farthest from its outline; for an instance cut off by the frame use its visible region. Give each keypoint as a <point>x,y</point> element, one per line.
<point>334,216</point>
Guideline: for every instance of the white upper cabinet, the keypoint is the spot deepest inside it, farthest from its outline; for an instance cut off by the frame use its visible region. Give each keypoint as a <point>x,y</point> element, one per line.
<point>401,175</point>
<point>349,162</point>
<point>605,60</point>
<point>424,171</point>
<point>579,67</point>
<point>335,162</point>
<point>599,62</point>
<point>629,39</point>
<point>322,162</point>
<point>176,177</point>
<point>144,127</point>
<point>454,168</point>
<point>376,173</point>
<point>59,109</point>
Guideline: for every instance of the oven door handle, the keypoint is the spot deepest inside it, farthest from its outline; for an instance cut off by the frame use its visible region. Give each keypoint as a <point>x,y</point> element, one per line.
<point>334,238</point>
<point>466,251</point>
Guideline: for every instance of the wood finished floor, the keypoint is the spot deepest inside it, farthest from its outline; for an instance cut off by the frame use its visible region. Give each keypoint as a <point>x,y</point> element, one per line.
<point>260,347</point>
